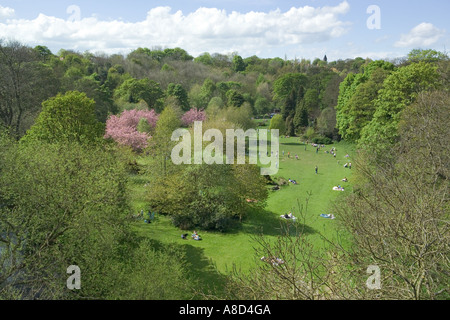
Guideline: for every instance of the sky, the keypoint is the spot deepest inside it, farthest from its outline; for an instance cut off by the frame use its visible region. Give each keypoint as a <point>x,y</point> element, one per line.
<point>302,29</point>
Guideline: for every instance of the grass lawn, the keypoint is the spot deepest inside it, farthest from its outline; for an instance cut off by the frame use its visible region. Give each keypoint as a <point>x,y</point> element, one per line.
<point>216,254</point>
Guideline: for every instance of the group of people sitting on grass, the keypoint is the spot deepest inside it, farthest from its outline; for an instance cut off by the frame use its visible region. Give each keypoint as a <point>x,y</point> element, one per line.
<point>348,165</point>
<point>338,188</point>
<point>194,236</point>
<point>292,181</point>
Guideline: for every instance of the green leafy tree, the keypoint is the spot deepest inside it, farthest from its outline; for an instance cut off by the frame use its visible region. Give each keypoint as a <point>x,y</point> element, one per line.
<point>179,93</point>
<point>68,117</point>
<point>133,91</point>
<point>161,144</point>
<point>209,197</point>
<point>427,55</point>
<point>234,98</point>
<point>311,100</point>
<point>356,102</point>
<point>326,123</point>
<point>262,106</point>
<point>65,206</point>
<point>238,64</point>
<point>277,122</point>
<point>25,81</point>
<point>399,90</point>
<point>301,119</point>
<point>289,90</point>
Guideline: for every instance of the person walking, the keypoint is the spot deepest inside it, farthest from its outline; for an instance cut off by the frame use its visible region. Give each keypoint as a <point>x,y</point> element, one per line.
<point>317,170</point>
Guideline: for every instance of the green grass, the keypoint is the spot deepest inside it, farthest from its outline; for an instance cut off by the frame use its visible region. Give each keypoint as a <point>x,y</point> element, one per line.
<point>216,254</point>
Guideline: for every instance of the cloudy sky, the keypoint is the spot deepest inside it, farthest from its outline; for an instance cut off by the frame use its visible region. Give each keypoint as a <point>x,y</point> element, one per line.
<point>267,28</point>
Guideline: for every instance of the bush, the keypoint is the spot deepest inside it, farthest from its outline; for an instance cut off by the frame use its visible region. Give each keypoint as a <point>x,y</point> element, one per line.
<point>322,140</point>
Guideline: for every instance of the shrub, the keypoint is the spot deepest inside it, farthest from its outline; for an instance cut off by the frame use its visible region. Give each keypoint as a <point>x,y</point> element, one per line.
<point>322,140</point>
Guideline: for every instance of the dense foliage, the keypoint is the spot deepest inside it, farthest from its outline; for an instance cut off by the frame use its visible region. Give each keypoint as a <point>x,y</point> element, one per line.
<point>64,171</point>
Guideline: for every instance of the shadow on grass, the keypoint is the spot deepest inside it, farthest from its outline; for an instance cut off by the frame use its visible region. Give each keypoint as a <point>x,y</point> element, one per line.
<point>292,144</point>
<point>271,224</point>
<point>211,282</point>
<point>208,280</point>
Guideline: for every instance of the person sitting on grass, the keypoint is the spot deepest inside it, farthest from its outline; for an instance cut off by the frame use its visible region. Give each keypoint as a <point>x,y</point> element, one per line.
<point>345,179</point>
<point>197,238</point>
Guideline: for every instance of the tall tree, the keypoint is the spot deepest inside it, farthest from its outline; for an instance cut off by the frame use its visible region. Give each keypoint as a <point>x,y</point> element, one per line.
<point>289,90</point>
<point>238,64</point>
<point>25,83</point>
<point>179,93</point>
<point>161,144</point>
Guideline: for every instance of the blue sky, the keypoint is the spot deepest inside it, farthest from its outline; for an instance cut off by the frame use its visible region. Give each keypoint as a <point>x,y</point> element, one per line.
<point>266,28</point>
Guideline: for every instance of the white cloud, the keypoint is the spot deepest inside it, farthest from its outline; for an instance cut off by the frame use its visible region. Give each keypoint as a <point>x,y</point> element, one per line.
<point>205,30</point>
<point>423,35</point>
<point>6,12</point>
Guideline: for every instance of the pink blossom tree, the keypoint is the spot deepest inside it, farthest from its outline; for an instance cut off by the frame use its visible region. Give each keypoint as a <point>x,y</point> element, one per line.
<point>123,128</point>
<point>193,115</point>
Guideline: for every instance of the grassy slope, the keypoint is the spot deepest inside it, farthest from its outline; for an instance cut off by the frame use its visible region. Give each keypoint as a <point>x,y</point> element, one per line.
<point>235,247</point>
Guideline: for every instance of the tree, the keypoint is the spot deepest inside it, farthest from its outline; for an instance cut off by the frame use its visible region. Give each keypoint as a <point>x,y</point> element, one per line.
<point>238,117</point>
<point>124,128</point>
<point>262,106</point>
<point>399,90</point>
<point>43,52</point>
<point>65,205</point>
<point>133,90</point>
<point>144,126</point>
<point>326,123</point>
<point>234,98</point>
<point>238,64</point>
<point>161,145</point>
<point>67,118</point>
<point>289,90</point>
<point>406,235</point>
<point>209,197</point>
<point>285,84</point>
<point>361,105</point>
<point>193,115</point>
<point>101,94</point>
<point>68,205</point>
<point>301,119</point>
<point>177,91</point>
<point>277,122</point>
<point>25,83</point>
<point>356,102</point>
<point>290,127</point>
<point>428,55</point>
